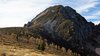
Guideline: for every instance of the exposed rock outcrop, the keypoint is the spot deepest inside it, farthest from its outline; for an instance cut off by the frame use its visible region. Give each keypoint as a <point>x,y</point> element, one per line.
<point>67,28</point>
<point>63,28</point>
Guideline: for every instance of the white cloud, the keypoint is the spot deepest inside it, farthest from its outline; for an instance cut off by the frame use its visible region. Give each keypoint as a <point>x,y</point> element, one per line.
<point>90,17</point>
<point>96,22</point>
<point>93,16</point>
<point>97,13</point>
<point>18,12</point>
<point>87,5</point>
<point>10,22</point>
<point>80,5</point>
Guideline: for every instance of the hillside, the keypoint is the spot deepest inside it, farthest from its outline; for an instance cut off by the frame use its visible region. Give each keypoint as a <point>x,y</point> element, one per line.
<point>17,51</point>
<point>18,41</point>
<point>56,30</point>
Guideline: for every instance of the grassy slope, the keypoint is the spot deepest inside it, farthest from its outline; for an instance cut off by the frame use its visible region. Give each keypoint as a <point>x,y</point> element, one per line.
<point>17,51</point>
<point>9,46</point>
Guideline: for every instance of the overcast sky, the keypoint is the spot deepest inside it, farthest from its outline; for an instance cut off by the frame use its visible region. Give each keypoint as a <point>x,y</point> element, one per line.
<point>15,13</point>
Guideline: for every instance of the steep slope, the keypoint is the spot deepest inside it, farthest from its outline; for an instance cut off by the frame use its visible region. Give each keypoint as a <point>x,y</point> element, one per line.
<point>65,27</point>
<point>56,30</point>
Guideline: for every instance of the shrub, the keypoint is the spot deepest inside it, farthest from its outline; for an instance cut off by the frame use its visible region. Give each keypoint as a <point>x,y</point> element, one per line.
<point>41,46</point>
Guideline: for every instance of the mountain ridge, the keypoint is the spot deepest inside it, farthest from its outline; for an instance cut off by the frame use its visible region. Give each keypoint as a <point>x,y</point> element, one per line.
<point>62,18</point>
<point>61,27</point>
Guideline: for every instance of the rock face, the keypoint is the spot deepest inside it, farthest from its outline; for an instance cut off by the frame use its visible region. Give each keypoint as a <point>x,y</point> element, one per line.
<point>56,30</point>
<point>65,27</point>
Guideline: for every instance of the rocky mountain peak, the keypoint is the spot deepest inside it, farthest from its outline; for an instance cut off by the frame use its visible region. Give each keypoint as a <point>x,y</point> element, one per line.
<point>52,12</point>
<point>60,8</point>
<point>65,27</point>
<point>56,30</point>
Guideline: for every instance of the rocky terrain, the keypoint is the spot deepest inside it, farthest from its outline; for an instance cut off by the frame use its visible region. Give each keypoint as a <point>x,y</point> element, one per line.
<point>57,30</point>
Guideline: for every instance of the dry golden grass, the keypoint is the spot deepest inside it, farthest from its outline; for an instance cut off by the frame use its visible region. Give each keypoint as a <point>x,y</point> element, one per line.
<point>17,51</point>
